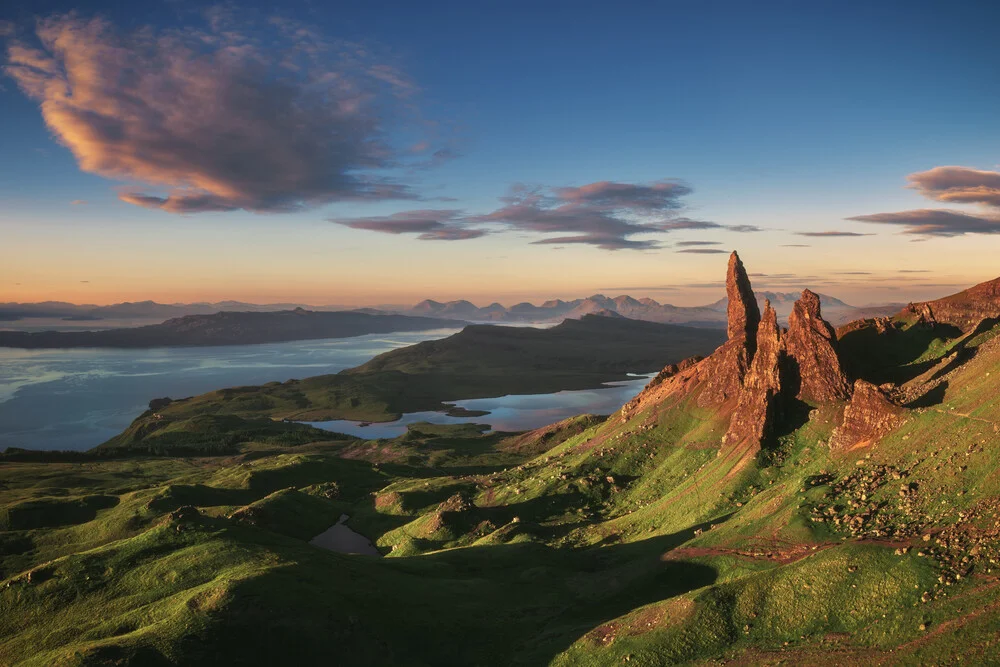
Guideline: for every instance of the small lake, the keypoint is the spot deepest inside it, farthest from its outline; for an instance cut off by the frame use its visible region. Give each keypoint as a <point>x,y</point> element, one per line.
<point>516,412</point>
<point>78,398</point>
<point>342,539</point>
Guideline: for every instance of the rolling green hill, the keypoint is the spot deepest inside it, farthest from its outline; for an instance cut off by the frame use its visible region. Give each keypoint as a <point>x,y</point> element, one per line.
<point>861,531</point>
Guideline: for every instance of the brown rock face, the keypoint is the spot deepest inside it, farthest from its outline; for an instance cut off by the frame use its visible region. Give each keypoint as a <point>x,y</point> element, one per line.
<point>755,413</point>
<point>867,419</point>
<point>811,345</point>
<point>723,372</point>
<point>742,311</point>
<point>964,310</point>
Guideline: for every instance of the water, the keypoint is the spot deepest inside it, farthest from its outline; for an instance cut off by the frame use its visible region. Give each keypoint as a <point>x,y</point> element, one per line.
<point>78,398</point>
<point>342,539</point>
<point>518,412</point>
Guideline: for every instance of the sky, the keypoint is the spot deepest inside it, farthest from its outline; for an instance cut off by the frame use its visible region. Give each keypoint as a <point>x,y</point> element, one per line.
<point>383,153</point>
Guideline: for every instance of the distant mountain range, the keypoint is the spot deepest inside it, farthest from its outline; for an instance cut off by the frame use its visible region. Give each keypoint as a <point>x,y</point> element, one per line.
<point>712,315</point>
<point>555,310</point>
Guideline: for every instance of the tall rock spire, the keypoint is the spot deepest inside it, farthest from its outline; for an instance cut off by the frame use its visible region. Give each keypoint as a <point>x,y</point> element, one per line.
<point>742,311</point>
<point>723,375</point>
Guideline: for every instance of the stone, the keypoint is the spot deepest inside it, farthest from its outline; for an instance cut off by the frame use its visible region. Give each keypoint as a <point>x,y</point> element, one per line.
<point>722,373</point>
<point>753,420</point>
<point>811,345</point>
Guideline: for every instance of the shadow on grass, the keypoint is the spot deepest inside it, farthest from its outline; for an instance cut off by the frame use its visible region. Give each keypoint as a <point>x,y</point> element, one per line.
<point>517,603</point>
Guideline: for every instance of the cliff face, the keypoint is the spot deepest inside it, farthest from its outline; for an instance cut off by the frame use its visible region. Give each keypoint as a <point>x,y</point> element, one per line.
<point>867,419</point>
<point>811,345</point>
<point>964,310</point>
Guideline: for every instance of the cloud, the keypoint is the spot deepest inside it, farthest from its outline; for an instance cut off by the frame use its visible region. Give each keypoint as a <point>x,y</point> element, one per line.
<point>936,222</point>
<point>959,185</point>
<point>832,233</point>
<point>79,202</point>
<point>429,225</point>
<point>705,251</point>
<point>230,116</point>
<point>604,214</point>
<point>684,244</point>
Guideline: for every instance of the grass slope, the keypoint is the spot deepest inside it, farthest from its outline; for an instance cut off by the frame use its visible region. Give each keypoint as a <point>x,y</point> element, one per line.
<point>591,542</point>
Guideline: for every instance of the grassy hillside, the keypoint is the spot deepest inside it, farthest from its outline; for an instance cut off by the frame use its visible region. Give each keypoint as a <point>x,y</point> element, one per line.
<point>478,362</point>
<point>590,542</point>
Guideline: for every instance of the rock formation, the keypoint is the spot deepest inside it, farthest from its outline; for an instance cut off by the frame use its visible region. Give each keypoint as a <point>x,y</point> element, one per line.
<point>724,370</point>
<point>964,310</point>
<point>742,311</point>
<point>811,345</point>
<point>867,419</point>
<point>755,413</point>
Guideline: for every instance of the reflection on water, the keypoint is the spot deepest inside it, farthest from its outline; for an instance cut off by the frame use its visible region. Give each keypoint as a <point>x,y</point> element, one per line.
<point>78,398</point>
<point>521,412</point>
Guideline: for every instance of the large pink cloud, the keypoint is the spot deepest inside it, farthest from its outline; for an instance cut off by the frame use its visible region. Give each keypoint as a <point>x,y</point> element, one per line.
<point>220,118</point>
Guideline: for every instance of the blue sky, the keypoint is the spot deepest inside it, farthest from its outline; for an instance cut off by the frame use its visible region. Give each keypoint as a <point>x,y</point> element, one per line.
<point>789,117</point>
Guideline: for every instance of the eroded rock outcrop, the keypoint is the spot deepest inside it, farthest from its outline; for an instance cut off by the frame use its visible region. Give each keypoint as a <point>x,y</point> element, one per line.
<point>868,418</point>
<point>811,346</point>
<point>724,370</point>
<point>754,418</point>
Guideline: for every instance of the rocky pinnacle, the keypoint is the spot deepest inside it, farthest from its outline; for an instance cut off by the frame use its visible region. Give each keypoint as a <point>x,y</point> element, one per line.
<point>742,311</point>
<point>811,345</point>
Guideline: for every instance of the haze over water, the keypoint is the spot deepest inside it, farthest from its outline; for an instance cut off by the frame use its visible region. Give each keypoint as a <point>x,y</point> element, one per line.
<point>77,399</point>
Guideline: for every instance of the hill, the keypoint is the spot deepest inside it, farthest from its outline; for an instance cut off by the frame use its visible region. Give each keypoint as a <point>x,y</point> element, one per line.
<point>230,328</point>
<point>481,361</point>
<point>964,310</point>
<point>778,502</point>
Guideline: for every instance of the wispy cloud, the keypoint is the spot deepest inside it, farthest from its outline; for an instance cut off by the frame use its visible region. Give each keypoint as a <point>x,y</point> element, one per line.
<point>832,234</point>
<point>685,244</point>
<point>704,251</point>
<point>957,185</point>
<point>429,225</point>
<point>936,222</point>
<point>604,214</point>
<point>265,118</point>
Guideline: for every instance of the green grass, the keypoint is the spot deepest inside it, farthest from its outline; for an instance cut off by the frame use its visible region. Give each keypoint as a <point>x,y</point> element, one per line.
<point>591,542</point>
